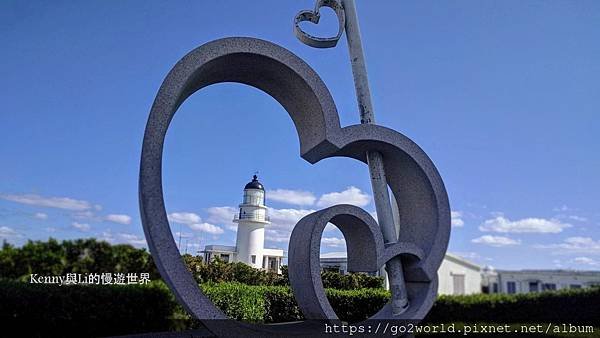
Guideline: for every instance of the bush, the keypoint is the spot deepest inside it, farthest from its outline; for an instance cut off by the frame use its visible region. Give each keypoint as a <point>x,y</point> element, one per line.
<point>73,256</point>
<point>100,310</point>
<point>218,271</point>
<point>564,306</point>
<point>273,304</point>
<point>92,256</point>
<point>357,305</point>
<point>239,301</point>
<point>352,281</point>
<point>35,310</point>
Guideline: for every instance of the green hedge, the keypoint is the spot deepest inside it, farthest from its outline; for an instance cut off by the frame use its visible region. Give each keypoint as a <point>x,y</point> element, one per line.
<point>576,306</point>
<point>218,271</point>
<point>276,304</point>
<point>272,304</point>
<point>51,310</point>
<point>35,310</point>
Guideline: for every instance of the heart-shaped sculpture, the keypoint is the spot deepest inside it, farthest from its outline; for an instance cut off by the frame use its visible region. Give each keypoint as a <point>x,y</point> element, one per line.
<point>314,16</point>
<point>413,179</point>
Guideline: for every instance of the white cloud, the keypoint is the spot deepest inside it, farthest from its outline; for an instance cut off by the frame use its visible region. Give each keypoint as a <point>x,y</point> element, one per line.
<point>50,229</point>
<point>278,236</point>
<point>352,195</point>
<point>471,255</point>
<point>573,245</point>
<point>40,215</point>
<point>586,261</point>
<point>132,239</point>
<point>526,225</point>
<point>80,226</point>
<point>295,197</point>
<point>562,208</point>
<point>88,214</point>
<point>184,218</point>
<point>50,202</point>
<point>497,241</point>
<point>118,218</point>
<point>183,235</point>
<point>456,219</point>
<point>330,227</point>
<point>578,218</point>
<point>333,242</point>
<point>207,227</point>
<point>223,215</point>
<point>286,218</point>
<point>6,232</point>
<point>123,238</point>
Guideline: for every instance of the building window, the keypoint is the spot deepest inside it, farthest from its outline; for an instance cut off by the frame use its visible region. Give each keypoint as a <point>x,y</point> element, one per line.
<point>548,286</point>
<point>533,286</point>
<point>511,287</point>
<point>575,286</point>
<point>458,281</point>
<point>273,264</point>
<point>253,259</point>
<point>495,287</point>
<point>225,258</point>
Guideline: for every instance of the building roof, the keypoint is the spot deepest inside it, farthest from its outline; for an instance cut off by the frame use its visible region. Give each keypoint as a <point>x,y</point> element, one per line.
<point>220,248</point>
<point>341,256</point>
<point>594,273</point>
<point>461,260</point>
<point>254,184</point>
<point>273,252</point>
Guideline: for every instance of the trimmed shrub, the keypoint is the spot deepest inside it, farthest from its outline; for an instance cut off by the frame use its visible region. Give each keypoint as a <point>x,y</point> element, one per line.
<point>218,271</point>
<point>101,310</point>
<point>280,305</point>
<point>239,301</point>
<point>580,306</point>
<point>273,304</point>
<point>35,310</point>
<point>351,281</point>
<point>357,305</point>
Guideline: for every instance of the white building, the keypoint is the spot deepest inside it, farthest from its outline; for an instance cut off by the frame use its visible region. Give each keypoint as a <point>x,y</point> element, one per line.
<point>523,281</point>
<point>456,275</point>
<point>249,245</point>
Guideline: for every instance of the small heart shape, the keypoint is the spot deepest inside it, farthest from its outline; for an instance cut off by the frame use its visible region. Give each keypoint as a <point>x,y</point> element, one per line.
<point>313,17</point>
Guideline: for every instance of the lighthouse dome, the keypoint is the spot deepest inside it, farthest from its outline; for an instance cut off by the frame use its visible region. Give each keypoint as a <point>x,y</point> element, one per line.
<point>254,184</point>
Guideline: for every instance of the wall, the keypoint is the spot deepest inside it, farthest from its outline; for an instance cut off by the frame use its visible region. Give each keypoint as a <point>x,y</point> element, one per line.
<point>450,267</point>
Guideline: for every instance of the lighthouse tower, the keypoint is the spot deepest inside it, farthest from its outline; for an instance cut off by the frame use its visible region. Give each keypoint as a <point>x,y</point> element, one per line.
<point>251,219</point>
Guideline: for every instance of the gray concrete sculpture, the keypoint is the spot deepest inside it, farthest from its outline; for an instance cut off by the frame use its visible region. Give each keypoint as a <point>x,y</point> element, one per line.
<point>412,177</point>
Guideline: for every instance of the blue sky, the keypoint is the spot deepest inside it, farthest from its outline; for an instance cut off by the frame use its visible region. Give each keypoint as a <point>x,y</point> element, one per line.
<point>503,96</point>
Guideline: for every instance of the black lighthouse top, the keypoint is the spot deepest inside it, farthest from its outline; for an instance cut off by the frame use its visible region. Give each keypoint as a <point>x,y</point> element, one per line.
<point>254,184</point>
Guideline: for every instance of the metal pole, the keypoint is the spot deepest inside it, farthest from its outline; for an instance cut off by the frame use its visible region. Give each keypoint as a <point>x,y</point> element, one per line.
<point>374,158</point>
<point>179,245</point>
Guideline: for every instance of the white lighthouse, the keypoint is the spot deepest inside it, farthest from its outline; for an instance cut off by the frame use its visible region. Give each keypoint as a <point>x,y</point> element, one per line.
<point>251,218</point>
